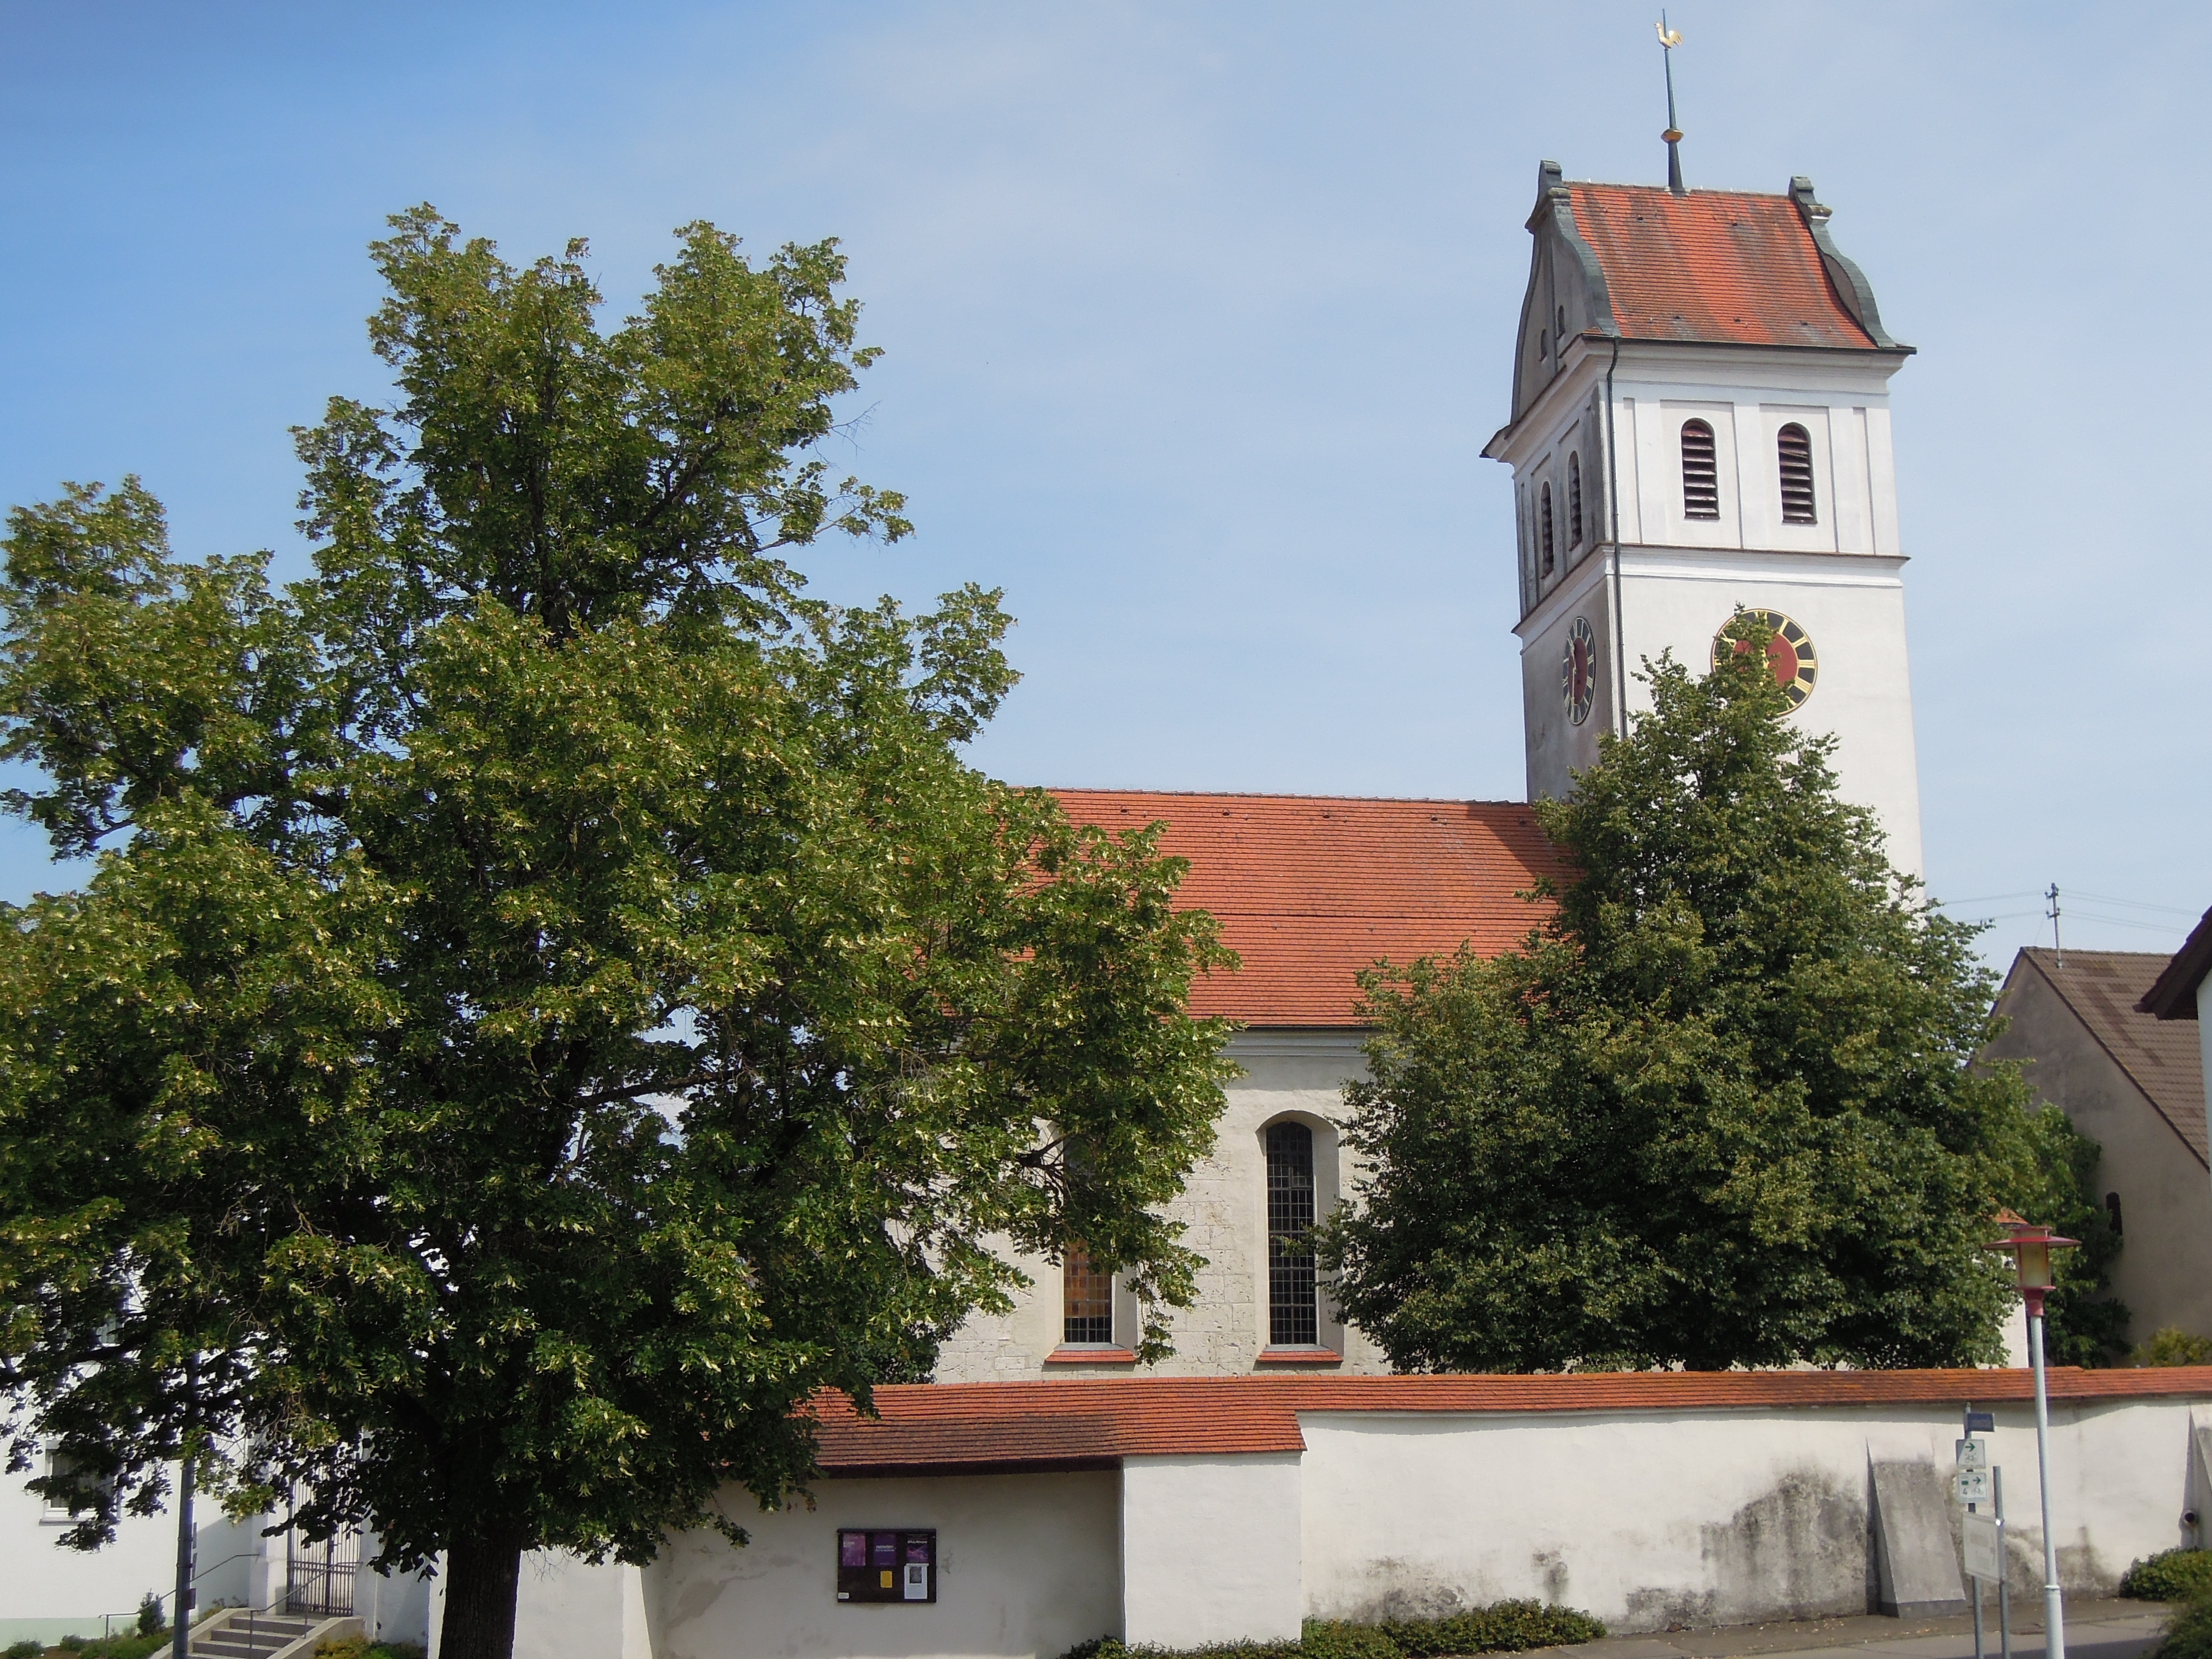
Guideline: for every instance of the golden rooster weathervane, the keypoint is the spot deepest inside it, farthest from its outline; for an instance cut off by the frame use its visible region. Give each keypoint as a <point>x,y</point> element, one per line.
<point>1668,39</point>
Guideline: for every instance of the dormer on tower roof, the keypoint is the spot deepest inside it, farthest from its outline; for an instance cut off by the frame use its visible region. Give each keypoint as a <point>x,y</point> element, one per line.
<point>1710,267</point>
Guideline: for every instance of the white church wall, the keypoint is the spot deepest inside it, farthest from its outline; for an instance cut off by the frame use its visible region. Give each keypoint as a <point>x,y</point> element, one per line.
<point>1029,1564</point>
<point>1211,1549</point>
<point>1294,1075</point>
<point>1697,1517</point>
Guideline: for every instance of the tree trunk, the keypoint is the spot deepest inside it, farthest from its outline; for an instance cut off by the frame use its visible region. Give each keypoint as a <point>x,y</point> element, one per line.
<point>482,1575</point>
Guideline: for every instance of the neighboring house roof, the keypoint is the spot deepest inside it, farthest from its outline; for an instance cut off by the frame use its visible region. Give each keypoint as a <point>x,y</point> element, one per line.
<point>1713,266</point>
<point>1311,889</point>
<point>951,1428</point>
<point>2173,994</point>
<point>2105,989</point>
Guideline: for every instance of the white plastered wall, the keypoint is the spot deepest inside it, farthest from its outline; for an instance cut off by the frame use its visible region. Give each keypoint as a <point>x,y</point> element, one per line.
<point>48,1592</point>
<point>1697,1517</point>
<point>1211,1549</point>
<point>566,1608</point>
<point>1028,1565</point>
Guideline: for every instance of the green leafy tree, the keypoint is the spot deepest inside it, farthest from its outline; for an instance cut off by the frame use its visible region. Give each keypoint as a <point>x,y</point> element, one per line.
<point>552,997</point>
<point>2083,1323</point>
<point>1719,1110</point>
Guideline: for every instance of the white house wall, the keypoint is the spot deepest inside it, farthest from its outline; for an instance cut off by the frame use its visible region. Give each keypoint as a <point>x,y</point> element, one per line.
<point>48,1592</point>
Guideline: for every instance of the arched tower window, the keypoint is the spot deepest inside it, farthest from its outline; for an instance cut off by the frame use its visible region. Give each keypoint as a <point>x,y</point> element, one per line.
<point>1086,1298</point>
<point>2113,1211</point>
<point>1293,1315</point>
<point>1574,500</point>
<point>1793,447</point>
<point>1701,477</point>
<point>1543,526</point>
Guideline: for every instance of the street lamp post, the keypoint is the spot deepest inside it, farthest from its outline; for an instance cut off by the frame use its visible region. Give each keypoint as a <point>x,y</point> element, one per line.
<point>2031,1248</point>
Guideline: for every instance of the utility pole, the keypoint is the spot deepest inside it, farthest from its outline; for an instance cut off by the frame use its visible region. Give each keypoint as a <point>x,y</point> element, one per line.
<point>180,1638</point>
<point>2058,945</point>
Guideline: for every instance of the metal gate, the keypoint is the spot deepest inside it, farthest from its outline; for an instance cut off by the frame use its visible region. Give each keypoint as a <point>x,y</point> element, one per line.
<point>321,1576</point>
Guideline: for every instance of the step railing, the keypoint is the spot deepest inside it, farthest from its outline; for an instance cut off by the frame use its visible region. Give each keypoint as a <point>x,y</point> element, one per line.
<point>291,1639</point>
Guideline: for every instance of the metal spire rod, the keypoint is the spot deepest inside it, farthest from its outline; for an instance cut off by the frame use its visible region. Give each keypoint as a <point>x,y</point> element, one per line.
<point>1668,39</point>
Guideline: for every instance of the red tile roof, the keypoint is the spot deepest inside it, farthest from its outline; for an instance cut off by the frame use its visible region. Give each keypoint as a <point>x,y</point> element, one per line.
<point>952,1428</point>
<point>1310,889</point>
<point>1714,264</point>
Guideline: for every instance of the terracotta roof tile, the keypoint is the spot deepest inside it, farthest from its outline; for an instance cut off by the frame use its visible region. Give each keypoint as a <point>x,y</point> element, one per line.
<point>1310,889</point>
<point>954,1427</point>
<point>1714,265</point>
<point>2163,1058</point>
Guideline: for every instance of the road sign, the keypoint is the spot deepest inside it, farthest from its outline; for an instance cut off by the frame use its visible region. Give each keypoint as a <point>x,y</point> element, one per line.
<point>1985,1548</point>
<point>1981,1422</point>
<point>1971,1485</point>
<point>1974,1454</point>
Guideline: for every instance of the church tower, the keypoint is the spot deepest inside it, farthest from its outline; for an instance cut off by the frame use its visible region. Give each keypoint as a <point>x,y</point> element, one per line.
<point>1700,426</point>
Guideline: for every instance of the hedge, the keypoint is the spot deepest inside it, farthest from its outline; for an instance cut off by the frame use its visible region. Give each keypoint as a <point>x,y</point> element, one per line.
<point>1501,1627</point>
<point>2170,1575</point>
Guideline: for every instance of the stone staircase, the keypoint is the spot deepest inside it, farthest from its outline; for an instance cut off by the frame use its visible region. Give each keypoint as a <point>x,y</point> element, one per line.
<point>248,1633</point>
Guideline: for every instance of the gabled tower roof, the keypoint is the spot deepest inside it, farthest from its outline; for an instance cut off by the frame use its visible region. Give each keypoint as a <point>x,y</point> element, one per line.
<point>1717,265</point>
<point>1710,267</point>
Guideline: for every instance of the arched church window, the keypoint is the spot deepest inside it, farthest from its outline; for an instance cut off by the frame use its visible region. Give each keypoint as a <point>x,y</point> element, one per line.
<point>1574,500</point>
<point>1544,525</point>
<point>1794,448</point>
<point>2113,1211</point>
<point>1701,477</point>
<point>1561,336</point>
<point>1086,1299</point>
<point>1544,343</point>
<point>1293,1315</point>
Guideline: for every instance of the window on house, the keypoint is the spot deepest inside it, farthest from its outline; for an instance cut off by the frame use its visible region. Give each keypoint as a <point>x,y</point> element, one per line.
<point>1574,500</point>
<point>1293,1313</point>
<point>2113,1210</point>
<point>1794,448</point>
<point>57,1510</point>
<point>1701,477</point>
<point>1543,526</point>
<point>1086,1299</point>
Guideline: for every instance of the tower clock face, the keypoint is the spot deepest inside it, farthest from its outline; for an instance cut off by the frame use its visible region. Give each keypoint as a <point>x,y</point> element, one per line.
<point>1790,654</point>
<point>1578,670</point>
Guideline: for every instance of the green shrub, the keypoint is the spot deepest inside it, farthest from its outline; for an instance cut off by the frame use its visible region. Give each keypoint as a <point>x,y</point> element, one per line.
<point>2174,1346</point>
<point>1501,1627</point>
<point>2170,1575</point>
<point>27,1648</point>
<point>151,1618</point>
<point>2189,1632</point>
<point>71,1643</point>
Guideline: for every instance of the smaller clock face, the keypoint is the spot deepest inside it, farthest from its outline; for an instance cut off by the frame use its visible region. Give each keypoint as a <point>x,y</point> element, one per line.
<point>1790,654</point>
<point>1578,670</point>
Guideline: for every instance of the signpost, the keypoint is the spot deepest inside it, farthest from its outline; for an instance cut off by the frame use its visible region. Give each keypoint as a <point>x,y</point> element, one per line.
<point>1975,1483</point>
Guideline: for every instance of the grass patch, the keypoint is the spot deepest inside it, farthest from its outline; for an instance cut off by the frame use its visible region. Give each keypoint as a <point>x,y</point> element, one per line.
<point>1501,1627</point>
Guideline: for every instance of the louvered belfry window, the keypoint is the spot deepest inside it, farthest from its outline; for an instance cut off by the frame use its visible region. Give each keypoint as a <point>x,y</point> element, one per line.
<point>1701,477</point>
<point>1794,446</point>
<point>1088,1299</point>
<point>1544,524</point>
<point>1574,500</point>
<point>1293,1316</point>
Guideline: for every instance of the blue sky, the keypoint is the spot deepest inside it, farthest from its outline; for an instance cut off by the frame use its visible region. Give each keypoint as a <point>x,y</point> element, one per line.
<point>1196,320</point>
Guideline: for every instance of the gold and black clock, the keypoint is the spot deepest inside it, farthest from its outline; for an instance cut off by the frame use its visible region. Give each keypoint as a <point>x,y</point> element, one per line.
<point>1790,653</point>
<point>1578,670</point>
